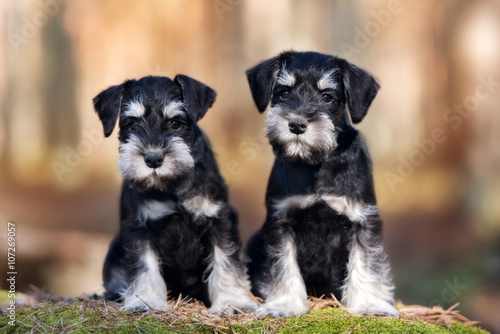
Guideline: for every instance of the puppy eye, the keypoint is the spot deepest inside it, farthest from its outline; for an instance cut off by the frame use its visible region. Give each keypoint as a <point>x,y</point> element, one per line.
<point>285,94</point>
<point>326,98</point>
<point>134,125</point>
<point>174,124</point>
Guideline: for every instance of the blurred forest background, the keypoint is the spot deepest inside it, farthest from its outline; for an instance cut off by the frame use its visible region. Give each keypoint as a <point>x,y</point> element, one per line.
<point>433,130</point>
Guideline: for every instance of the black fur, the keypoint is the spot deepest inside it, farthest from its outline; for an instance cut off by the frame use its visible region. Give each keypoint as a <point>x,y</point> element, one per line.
<point>322,236</point>
<point>182,240</point>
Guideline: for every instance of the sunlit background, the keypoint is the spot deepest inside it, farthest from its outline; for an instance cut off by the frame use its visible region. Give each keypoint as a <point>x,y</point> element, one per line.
<point>433,130</point>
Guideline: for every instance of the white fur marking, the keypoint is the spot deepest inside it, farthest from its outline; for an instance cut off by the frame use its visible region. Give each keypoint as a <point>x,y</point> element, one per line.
<point>286,78</point>
<point>201,206</point>
<point>298,202</point>
<point>131,160</point>
<point>178,157</point>
<point>134,108</point>
<point>286,294</point>
<point>154,210</point>
<point>326,81</point>
<point>355,211</point>
<point>174,109</point>
<point>227,285</point>
<point>319,136</point>
<point>149,289</point>
<point>133,167</point>
<point>363,290</point>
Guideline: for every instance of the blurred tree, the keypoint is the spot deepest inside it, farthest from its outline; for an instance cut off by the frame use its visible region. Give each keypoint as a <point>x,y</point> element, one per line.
<point>58,84</point>
<point>39,112</point>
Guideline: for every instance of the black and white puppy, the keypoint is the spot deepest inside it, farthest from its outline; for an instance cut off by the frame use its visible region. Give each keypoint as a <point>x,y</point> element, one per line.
<point>178,232</point>
<point>322,233</point>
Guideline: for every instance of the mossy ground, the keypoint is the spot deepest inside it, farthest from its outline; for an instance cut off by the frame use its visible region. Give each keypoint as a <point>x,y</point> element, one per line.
<point>85,316</point>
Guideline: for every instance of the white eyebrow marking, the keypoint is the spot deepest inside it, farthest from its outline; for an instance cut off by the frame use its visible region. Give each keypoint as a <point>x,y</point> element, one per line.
<point>327,81</point>
<point>134,108</point>
<point>286,78</point>
<point>174,109</point>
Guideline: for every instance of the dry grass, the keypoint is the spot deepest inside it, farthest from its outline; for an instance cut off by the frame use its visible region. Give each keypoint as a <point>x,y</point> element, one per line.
<point>436,314</point>
<point>186,314</point>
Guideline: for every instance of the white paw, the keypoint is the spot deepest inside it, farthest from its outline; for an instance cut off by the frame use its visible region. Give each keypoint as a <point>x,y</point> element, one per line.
<point>281,310</point>
<point>382,308</point>
<point>231,307</point>
<point>137,305</point>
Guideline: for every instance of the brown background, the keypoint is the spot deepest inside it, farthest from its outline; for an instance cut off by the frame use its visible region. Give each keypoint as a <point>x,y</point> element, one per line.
<point>436,167</point>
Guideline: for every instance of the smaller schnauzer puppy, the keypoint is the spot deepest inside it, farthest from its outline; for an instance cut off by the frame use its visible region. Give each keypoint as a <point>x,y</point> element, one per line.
<point>322,233</point>
<point>178,232</point>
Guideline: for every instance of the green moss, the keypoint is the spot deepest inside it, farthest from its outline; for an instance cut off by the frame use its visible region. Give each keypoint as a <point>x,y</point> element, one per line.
<point>4,295</point>
<point>82,318</point>
<point>55,318</point>
<point>327,321</point>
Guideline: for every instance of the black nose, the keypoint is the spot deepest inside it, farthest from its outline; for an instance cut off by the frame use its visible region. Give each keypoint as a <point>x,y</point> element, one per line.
<point>297,125</point>
<point>153,159</point>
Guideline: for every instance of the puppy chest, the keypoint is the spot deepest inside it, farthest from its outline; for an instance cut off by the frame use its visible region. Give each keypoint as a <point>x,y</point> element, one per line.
<point>322,237</point>
<point>179,240</point>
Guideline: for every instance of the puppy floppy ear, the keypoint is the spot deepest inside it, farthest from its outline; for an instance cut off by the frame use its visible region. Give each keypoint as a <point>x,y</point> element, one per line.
<point>360,90</point>
<point>262,79</point>
<point>197,97</point>
<point>107,106</point>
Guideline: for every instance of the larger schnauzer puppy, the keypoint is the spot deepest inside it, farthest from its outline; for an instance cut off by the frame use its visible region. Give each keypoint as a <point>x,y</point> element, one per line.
<point>178,232</point>
<point>322,233</point>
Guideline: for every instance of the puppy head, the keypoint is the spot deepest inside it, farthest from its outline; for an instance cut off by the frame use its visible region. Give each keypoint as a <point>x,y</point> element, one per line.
<point>156,116</point>
<point>309,93</point>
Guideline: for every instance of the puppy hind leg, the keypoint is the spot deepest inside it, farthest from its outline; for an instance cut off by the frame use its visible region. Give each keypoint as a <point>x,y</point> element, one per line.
<point>256,258</point>
<point>113,273</point>
<point>368,285</point>
<point>147,289</point>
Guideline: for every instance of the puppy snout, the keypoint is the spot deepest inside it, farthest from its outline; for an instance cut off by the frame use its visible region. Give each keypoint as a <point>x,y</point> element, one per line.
<point>297,125</point>
<point>153,159</point>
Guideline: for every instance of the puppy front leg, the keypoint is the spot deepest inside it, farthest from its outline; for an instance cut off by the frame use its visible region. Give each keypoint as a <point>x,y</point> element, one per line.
<point>147,289</point>
<point>228,283</point>
<point>368,285</point>
<point>284,289</point>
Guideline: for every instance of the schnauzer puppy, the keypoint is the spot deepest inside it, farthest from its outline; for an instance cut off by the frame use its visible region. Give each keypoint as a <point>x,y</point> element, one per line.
<point>322,234</point>
<point>178,232</point>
